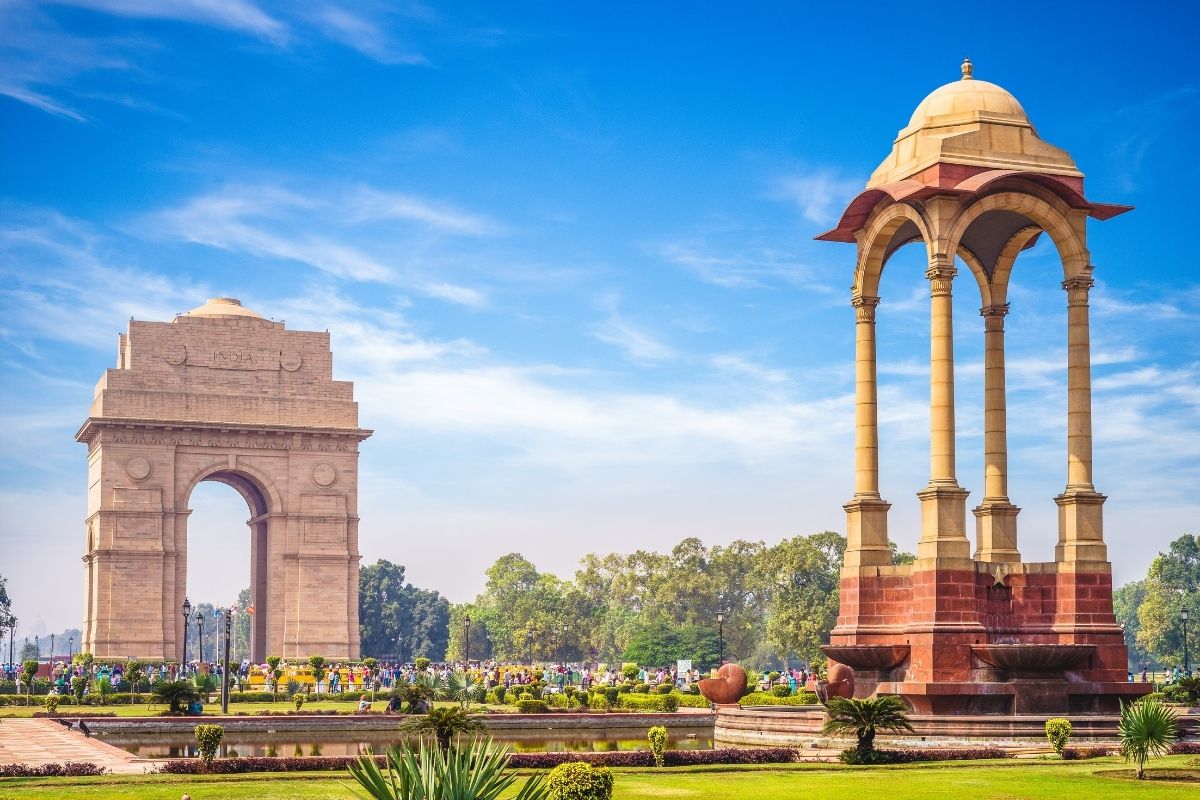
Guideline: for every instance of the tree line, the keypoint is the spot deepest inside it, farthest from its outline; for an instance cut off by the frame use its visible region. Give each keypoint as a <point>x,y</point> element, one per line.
<point>1150,608</point>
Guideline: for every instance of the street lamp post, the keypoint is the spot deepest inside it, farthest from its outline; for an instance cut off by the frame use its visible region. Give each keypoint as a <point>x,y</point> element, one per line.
<point>199,639</point>
<point>70,649</point>
<point>720,638</point>
<point>229,612</point>
<point>467,641</point>
<point>562,645</point>
<point>1183,615</point>
<point>52,656</point>
<point>187,612</point>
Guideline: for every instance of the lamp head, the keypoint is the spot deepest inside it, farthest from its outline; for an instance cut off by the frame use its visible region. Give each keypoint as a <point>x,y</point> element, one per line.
<point>720,616</point>
<point>187,607</point>
<point>1183,614</point>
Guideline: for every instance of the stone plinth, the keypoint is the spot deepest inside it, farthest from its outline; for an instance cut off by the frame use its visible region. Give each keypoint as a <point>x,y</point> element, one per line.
<point>998,638</point>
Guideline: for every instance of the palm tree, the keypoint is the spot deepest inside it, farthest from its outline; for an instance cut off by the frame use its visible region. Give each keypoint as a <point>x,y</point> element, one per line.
<point>444,724</point>
<point>1147,728</point>
<point>865,717</point>
<point>478,771</point>
<point>461,687</point>
<point>421,692</point>
<point>176,694</point>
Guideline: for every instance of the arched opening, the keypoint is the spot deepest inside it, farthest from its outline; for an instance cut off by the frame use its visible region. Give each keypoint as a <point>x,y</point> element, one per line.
<point>217,572</point>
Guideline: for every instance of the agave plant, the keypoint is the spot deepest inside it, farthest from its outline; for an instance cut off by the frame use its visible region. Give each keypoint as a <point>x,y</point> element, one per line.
<point>478,771</point>
<point>444,724</point>
<point>865,717</point>
<point>1147,728</point>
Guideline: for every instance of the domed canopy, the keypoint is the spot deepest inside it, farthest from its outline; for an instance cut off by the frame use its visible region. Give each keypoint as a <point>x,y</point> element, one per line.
<point>972,123</point>
<point>223,307</point>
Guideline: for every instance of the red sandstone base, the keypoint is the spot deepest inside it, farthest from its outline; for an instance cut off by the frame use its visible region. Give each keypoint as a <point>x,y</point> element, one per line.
<point>1000,639</point>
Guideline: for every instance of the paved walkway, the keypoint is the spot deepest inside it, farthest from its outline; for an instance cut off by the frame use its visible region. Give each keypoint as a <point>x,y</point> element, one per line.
<point>43,741</point>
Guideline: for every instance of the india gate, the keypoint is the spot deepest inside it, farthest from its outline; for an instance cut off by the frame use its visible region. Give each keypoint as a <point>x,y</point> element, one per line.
<point>222,394</point>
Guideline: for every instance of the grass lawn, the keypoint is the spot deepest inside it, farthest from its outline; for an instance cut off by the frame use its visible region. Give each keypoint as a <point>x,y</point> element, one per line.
<point>1023,780</point>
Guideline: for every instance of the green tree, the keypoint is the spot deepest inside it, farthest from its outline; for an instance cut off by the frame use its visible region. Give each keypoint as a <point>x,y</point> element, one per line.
<point>804,574</point>
<point>1127,600</point>
<point>7,620</point>
<point>1172,582</point>
<point>396,619</point>
<point>1147,728</point>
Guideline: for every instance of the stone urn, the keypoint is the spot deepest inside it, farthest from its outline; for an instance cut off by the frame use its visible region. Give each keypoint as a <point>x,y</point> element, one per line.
<point>727,688</point>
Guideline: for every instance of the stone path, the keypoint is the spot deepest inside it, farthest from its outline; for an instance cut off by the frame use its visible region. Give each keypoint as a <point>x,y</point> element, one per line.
<point>43,741</point>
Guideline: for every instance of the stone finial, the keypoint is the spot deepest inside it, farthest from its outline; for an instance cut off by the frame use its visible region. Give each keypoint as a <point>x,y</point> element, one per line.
<point>966,69</point>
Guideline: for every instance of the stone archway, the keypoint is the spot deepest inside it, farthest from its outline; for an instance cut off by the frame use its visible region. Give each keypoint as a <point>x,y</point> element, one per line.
<point>222,394</point>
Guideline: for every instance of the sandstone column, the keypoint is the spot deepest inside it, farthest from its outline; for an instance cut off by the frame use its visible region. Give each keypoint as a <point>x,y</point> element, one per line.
<point>943,502</point>
<point>866,513</point>
<point>996,516</point>
<point>1080,523</point>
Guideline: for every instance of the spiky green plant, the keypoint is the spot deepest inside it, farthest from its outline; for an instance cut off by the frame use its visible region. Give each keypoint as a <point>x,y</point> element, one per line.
<point>444,724</point>
<point>461,688</point>
<point>1147,728</point>
<point>477,771</point>
<point>176,694</point>
<point>864,718</point>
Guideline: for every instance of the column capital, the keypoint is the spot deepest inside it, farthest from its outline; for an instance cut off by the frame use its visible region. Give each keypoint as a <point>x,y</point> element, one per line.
<point>1077,289</point>
<point>940,275</point>
<point>993,316</point>
<point>864,307</point>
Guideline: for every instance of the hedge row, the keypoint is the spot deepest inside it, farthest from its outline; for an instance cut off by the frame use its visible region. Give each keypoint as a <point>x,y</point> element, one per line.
<point>768,699</point>
<point>70,769</point>
<point>622,758</point>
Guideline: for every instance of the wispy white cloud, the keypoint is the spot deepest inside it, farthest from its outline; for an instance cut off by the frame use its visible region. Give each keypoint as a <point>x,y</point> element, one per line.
<point>236,15</point>
<point>328,228</point>
<point>636,342</point>
<point>820,195</point>
<point>735,268</point>
<point>365,35</point>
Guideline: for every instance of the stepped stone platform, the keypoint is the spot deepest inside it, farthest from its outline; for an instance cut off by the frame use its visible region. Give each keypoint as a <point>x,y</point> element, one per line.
<point>800,726</point>
<point>43,741</point>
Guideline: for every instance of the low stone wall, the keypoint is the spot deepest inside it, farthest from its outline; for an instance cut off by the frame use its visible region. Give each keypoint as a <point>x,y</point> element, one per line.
<point>800,726</point>
<point>382,722</point>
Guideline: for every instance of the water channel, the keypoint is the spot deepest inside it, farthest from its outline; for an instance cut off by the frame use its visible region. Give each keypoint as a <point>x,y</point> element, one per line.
<point>349,743</point>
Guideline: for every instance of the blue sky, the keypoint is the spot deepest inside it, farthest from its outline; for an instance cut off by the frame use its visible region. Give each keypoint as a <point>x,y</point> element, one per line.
<point>566,257</point>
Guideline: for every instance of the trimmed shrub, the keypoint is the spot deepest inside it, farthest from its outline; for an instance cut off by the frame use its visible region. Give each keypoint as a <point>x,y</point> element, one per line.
<point>298,700</point>
<point>666,703</point>
<point>500,692</point>
<point>612,695</point>
<point>208,737</point>
<point>768,699</point>
<point>52,703</point>
<point>1058,732</point>
<point>781,690</point>
<point>532,707</point>
<point>579,780</point>
<point>70,769</point>
<point>421,664</point>
<point>664,688</point>
<point>629,670</point>
<point>1084,753</point>
<point>876,756</point>
<point>641,688</point>
<point>657,736</point>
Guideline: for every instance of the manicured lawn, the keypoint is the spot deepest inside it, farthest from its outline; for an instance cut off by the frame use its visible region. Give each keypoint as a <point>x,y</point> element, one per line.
<point>1025,780</point>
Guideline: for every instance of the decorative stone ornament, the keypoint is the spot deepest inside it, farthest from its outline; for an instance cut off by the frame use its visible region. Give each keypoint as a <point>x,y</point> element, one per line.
<point>324,475</point>
<point>138,468</point>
